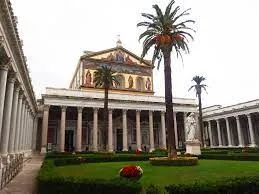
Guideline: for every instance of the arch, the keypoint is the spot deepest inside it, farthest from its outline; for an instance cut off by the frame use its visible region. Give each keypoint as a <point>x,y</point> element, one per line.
<point>121,80</point>
<point>140,84</point>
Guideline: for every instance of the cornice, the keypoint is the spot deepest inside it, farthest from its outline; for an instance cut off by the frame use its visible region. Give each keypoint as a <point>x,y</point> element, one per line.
<point>9,22</point>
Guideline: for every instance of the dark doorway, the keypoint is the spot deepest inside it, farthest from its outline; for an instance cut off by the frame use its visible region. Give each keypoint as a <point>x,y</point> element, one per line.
<point>69,141</point>
<point>119,139</point>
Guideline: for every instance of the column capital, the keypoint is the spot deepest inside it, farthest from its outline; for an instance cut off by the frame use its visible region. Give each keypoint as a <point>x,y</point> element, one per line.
<point>21,94</point>
<point>248,115</point>
<point>124,111</point>
<point>237,117</point>
<point>17,87</point>
<point>95,109</point>
<point>24,99</point>
<point>63,108</point>
<point>217,120</point>
<point>138,111</point>
<point>162,113</point>
<point>12,77</point>
<point>110,110</point>
<point>2,40</point>
<point>46,107</point>
<point>80,109</point>
<point>151,111</point>
<point>6,66</point>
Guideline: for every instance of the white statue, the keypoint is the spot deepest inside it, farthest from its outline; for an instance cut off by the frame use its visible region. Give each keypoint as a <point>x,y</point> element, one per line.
<point>190,127</point>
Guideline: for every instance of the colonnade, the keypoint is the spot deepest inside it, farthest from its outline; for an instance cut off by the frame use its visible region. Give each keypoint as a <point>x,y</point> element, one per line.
<point>110,144</point>
<point>227,127</point>
<point>18,123</point>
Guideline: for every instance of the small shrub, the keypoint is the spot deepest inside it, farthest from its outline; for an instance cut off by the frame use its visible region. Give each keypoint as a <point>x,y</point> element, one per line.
<point>131,172</point>
<point>153,189</point>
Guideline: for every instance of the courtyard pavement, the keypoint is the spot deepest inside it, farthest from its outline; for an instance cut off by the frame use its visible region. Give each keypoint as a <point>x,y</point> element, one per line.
<point>25,181</point>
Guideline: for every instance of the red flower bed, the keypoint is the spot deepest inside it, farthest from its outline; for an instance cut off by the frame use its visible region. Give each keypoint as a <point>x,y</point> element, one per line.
<point>131,171</point>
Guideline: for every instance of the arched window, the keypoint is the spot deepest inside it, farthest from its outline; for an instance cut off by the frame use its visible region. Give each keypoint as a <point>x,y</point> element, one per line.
<point>121,80</point>
<point>140,84</point>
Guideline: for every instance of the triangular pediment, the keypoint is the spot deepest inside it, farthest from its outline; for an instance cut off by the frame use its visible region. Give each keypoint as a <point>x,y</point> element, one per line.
<point>117,54</point>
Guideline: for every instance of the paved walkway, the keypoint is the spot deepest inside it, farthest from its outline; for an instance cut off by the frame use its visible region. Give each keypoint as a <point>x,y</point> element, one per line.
<point>25,181</point>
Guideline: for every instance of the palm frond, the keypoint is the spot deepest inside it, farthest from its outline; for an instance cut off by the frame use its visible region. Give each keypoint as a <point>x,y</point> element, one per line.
<point>146,33</point>
<point>158,11</point>
<point>169,7</point>
<point>147,46</point>
<point>184,13</point>
<point>191,87</point>
<point>149,16</point>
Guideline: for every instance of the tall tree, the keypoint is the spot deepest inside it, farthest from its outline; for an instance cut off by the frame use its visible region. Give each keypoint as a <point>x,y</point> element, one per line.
<point>168,32</point>
<point>105,78</point>
<point>198,88</point>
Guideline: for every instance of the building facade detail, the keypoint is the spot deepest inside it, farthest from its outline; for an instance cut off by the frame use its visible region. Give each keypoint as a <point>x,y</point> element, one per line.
<point>136,118</point>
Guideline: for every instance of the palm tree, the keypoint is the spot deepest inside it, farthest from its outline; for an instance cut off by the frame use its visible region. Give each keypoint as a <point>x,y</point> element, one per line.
<point>198,88</point>
<point>167,32</point>
<point>105,78</point>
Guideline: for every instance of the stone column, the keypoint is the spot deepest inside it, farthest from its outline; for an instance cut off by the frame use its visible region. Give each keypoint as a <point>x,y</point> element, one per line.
<point>163,130</point>
<point>18,125</point>
<point>34,136</point>
<point>95,130</point>
<point>228,133</point>
<point>219,133</point>
<point>176,131</point>
<point>79,130</point>
<point>125,130</point>
<point>13,127</point>
<point>239,132</point>
<point>138,132</point>
<point>7,115</point>
<point>25,129</point>
<point>151,131</point>
<point>210,133</point>
<point>21,124</point>
<point>110,132</point>
<point>45,126</point>
<point>3,80</point>
<point>29,131</point>
<point>251,131</point>
<point>185,127</point>
<point>62,129</point>
<point>32,132</point>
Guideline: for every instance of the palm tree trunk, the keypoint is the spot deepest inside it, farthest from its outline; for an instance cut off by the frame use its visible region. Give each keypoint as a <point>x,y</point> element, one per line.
<point>169,104</point>
<point>200,119</point>
<point>105,116</point>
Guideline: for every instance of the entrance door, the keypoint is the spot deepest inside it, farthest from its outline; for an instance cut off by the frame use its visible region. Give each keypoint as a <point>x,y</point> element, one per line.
<point>69,137</point>
<point>119,139</point>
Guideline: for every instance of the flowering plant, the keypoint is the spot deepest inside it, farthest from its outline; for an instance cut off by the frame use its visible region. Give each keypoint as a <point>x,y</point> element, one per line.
<point>131,171</point>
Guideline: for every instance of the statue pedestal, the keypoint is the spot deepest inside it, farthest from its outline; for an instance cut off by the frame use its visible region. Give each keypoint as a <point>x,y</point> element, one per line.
<point>193,147</point>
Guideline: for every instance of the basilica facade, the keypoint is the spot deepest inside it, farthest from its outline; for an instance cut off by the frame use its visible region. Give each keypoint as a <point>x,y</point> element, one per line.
<point>72,118</point>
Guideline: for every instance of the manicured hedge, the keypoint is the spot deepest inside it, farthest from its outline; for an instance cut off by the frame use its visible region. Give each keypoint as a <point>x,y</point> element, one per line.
<point>94,159</point>
<point>248,185</point>
<point>179,161</point>
<point>50,183</point>
<point>236,156</point>
<point>215,152</point>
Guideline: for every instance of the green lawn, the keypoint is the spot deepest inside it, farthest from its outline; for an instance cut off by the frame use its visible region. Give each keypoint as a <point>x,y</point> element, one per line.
<point>163,175</point>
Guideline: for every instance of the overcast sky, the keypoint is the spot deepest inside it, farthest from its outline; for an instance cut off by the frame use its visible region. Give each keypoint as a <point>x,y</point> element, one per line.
<point>225,50</point>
